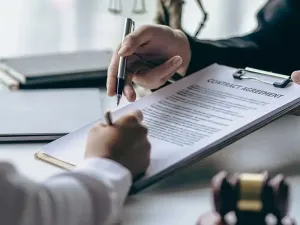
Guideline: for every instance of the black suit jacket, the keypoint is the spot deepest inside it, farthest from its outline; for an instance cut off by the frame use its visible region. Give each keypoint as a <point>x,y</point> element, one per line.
<point>273,46</point>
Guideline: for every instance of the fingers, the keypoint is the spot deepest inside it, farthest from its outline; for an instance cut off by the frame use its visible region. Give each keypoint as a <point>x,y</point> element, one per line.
<point>112,73</point>
<point>128,89</point>
<point>96,128</point>
<point>159,75</point>
<point>134,117</point>
<point>131,118</point>
<point>111,81</point>
<point>135,39</point>
<point>296,77</point>
<point>139,115</point>
<point>129,45</point>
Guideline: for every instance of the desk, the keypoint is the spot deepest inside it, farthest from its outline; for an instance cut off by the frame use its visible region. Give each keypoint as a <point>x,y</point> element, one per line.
<point>182,197</point>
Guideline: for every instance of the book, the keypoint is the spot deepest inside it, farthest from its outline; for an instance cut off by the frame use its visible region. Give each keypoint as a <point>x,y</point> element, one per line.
<point>56,70</point>
<point>191,119</point>
<point>45,115</point>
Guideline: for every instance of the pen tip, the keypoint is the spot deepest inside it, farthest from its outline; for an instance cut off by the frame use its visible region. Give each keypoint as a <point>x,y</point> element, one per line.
<point>118,99</point>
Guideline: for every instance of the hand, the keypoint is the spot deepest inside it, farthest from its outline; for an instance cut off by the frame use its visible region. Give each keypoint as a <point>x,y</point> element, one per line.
<point>296,79</point>
<point>125,142</point>
<point>165,49</point>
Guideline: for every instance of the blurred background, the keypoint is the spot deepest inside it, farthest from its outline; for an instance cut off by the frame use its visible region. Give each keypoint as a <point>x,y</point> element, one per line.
<point>40,26</point>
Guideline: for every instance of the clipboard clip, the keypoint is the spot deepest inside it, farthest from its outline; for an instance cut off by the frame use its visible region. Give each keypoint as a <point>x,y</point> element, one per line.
<point>241,74</point>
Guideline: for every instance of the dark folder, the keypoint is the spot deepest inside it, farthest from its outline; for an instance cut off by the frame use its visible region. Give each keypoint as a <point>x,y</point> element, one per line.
<point>56,70</point>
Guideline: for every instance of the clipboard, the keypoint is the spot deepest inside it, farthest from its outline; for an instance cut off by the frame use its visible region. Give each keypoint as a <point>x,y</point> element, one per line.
<point>243,74</point>
<point>59,163</point>
<point>199,154</point>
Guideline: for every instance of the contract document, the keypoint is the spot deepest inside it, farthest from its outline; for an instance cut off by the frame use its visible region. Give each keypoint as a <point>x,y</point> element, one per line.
<point>190,119</point>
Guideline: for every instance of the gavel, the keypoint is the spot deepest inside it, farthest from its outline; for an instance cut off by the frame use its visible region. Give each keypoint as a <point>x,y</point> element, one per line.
<point>248,198</point>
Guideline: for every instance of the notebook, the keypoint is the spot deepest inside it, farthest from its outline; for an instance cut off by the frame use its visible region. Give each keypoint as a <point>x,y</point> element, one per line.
<point>191,119</point>
<point>45,115</point>
<point>56,70</point>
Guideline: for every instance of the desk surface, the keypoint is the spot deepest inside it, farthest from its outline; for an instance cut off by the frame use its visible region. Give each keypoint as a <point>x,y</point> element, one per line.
<point>182,197</point>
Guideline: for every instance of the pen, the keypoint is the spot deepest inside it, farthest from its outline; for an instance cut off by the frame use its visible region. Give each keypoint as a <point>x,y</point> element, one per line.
<point>121,79</point>
<point>108,119</point>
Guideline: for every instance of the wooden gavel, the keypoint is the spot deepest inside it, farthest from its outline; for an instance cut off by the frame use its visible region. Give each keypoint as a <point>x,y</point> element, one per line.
<point>254,199</point>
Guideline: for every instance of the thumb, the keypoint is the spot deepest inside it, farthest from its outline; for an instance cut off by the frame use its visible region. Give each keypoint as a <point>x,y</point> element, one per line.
<point>130,118</point>
<point>296,77</point>
<point>159,75</point>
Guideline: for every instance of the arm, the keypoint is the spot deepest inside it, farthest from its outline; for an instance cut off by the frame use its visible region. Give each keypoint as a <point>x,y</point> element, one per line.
<point>268,47</point>
<point>94,192</point>
<point>91,195</point>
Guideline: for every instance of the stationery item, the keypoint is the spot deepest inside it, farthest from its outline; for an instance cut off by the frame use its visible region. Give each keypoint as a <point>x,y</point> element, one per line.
<point>241,74</point>
<point>56,70</point>
<point>251,197</point>
<point>121,79</point>
<point>108,119</point>
<point>191,119</point>
<point>46,115</point>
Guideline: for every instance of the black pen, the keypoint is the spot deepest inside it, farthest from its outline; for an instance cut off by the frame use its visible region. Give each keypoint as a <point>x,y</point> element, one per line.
<point>121,79</point>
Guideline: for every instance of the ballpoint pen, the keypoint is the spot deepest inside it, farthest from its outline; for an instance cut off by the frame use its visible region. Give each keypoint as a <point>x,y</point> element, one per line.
<point>108,118</point>
<point>121,79</point>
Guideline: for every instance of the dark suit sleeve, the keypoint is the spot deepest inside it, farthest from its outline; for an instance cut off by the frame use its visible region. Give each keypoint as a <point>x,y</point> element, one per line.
<point>274,45</point>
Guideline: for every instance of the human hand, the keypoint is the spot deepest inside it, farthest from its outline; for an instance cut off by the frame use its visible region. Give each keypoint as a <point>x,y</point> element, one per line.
<point>167,51</point>
<point>124,142</point>
<point>296,79</point>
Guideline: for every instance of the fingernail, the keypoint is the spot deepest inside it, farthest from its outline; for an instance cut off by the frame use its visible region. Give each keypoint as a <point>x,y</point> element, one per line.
<point>123,50</point>
<point>177,61</point>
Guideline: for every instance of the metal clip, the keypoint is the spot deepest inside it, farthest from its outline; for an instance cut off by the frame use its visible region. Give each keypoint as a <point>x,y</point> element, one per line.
<point>240,75</point>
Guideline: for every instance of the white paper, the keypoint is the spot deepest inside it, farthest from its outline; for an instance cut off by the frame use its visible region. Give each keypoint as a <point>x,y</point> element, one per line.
<point>191,115</point>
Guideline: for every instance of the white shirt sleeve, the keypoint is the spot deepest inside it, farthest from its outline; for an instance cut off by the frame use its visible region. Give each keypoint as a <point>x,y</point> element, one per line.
<point>92,194</point>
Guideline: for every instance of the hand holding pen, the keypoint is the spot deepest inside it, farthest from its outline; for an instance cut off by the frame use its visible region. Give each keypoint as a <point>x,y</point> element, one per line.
<point>121,78</point>
<point>152,54</point>
<point>123,140</point>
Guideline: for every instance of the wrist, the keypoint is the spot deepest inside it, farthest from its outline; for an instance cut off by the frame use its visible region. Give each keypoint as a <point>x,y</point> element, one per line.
<point>90,153</point>
<point>103,168</point>
<point>106,162</point>
<point>104,155</point>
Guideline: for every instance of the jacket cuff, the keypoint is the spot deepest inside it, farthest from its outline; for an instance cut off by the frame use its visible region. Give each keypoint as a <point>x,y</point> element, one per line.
<point>201,55</point>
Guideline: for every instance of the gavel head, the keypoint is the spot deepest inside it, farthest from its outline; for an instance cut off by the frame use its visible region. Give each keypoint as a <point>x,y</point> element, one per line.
<point>250,193</point>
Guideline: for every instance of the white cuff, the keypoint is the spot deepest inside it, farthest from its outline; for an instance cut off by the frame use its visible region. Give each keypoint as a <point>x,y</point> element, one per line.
<point>108,170</point>
<point>116,178</point>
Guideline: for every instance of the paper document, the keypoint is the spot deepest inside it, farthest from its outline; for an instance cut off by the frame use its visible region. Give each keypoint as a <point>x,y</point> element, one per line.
<point>192,118</point>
